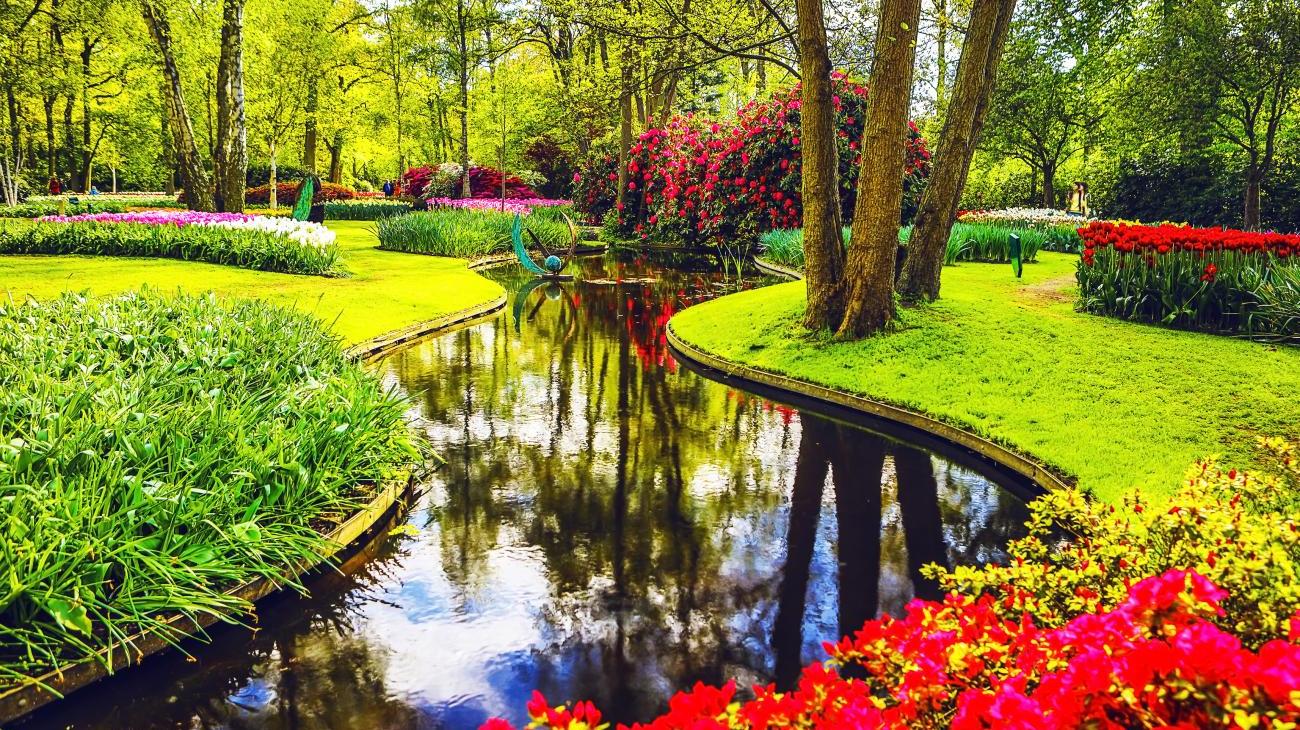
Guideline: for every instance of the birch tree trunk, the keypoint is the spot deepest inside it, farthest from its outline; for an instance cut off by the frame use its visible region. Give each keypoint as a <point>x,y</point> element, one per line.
<point>198,190</point>
<point>230,164</point>
<point>976,76</point>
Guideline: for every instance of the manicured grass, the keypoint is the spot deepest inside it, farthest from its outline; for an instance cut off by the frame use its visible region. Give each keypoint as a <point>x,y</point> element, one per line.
<point>386,290</point>
<point>1116,404</point>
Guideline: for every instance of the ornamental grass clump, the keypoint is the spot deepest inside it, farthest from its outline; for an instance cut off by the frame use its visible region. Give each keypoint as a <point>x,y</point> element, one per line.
<point>364,210</point>
<point>464,233</point>
<point>1209,279</point>
<point>265,243</point>
<point>991,243</point>
<point>160,451</point>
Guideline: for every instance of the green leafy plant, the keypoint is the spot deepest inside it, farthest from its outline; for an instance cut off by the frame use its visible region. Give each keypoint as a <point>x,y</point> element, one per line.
<point>37,208</point>
<point>364,210</point>
<point>250,249</point>
<point>162,450</point>
<point>465,233</point>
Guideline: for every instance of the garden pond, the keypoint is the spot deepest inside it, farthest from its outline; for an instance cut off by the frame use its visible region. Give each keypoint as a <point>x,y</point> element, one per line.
<point>609,525</point>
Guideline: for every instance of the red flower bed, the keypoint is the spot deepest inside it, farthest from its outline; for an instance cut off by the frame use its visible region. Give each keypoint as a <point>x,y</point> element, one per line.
<point>1155,660</point>
<point>484,182</point>
<point>285,191</point>
<point>696,181</point>
<point>1165,239</point>
<point>1212,279</point>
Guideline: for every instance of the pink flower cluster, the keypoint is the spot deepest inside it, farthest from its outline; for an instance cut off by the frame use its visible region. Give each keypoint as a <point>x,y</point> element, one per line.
<point>695,180</point>
<point>523,206</point>
<point>153,218</point>
<point>1155,660</point>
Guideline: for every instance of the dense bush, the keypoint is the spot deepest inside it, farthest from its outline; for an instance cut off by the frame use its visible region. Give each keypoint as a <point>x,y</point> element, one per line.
<point>1201,191</point>
<point>1179,616</point>
<point>267,244</point>
<point>556,164</point>
<point>695,181</point>
<point>1215,280</point>
<point>484,182</point>
<point>38,207</point>
<point>162,450</point>
<point>285,192</point>
<point>464,233</point>
<point>258,174</point>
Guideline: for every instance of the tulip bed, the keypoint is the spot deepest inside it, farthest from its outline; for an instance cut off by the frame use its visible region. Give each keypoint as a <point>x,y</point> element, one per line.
<point>265,243</point>
<point>160,450</point>
<point>1209,279</point>
<point>1058,229</point>
<point>1069,636</point>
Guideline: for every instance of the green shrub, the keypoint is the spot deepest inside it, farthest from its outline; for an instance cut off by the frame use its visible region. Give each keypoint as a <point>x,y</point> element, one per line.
<point>249,249</point>
<point>364,210</point>
<point>38,208</point>
<point>992,244</point>
<point>1237,529</point>
<point>463,233</point>
<point>159,451</point>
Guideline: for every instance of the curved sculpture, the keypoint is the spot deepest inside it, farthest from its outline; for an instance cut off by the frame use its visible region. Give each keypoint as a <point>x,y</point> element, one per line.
<point>552,264</point>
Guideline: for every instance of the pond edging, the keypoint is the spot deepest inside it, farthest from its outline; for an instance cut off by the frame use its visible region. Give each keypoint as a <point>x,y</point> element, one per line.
<point>1029,468</point>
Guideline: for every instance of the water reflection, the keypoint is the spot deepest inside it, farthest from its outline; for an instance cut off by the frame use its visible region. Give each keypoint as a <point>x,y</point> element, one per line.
<point>607,526</point>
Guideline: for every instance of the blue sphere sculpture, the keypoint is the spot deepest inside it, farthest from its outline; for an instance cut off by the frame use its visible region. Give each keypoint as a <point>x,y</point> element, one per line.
<point>553,264</point>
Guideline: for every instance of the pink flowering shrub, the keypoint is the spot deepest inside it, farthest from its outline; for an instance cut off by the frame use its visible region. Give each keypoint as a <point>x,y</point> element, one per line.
<point>699,181</point>
<point>1154,660</point>
<point>484,182</point>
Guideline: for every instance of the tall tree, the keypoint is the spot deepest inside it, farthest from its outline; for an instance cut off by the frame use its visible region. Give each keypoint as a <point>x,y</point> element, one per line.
<point>823,245</point>
<point>976,75</point>
<point>230,164</point>
<point>873,246</point>
<point>194,177</point>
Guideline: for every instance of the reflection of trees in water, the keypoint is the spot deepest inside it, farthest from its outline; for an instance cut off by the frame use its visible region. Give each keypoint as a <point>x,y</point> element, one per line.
<point>659,503</point>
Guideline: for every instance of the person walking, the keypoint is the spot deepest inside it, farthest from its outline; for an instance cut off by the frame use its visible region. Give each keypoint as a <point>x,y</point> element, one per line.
<point>388,188</point>
<point>1078,205</point>
<point>56,187</point>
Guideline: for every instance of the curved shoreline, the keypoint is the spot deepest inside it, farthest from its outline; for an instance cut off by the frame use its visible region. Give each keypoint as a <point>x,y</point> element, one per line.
<point>1023,465</point>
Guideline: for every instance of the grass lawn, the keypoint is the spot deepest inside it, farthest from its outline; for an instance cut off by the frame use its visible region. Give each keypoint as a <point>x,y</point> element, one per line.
<point>386,290</point>
<point>1115,404</point>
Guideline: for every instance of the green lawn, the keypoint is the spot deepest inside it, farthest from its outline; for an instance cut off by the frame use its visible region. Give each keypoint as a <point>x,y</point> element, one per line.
<point>1115,404</point>
<point>386,290</point>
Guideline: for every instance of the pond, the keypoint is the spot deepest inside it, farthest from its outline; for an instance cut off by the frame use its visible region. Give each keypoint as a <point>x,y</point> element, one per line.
<point>609,525</point>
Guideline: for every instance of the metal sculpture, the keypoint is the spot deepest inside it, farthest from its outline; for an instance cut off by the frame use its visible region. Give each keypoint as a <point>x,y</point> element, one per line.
<point>551,265</point>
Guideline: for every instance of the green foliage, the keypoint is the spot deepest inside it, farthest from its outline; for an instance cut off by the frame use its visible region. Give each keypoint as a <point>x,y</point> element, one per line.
<point>245,248</point>
<point>465,233</point>
<point>364,210</point>
<point>40,207</point>
<point>1235,528</point>
<point>989,243</point>
<point>162,450</point>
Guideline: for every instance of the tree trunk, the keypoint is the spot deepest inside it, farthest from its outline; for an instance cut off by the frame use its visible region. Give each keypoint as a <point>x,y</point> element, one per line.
<point>624,124</point>
<point>462,20</point>
<point>15,142</point>
<point>1049,185</point>
<point>823,245</point>
<point>976,75</point>
<point>272,192</point>
<point>69,143</point>
<point>336,157</point>
<point>231,162</point>
<point>1250,219</point>
<point>87,154</point>
<point>874,245</point>
<point>198,192</point>
<point>309,125</point>
<point>51,146</point>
